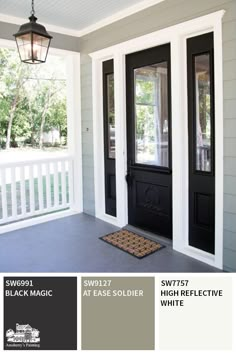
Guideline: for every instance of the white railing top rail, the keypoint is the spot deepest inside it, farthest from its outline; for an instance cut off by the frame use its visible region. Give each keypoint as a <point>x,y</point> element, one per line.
<point>35,161</point>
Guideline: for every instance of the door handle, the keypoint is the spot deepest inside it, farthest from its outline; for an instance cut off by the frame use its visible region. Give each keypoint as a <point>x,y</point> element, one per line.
<point>129,177</point>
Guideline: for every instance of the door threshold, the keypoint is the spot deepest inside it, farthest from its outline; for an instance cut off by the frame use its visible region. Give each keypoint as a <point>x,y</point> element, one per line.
<point>150,235</point>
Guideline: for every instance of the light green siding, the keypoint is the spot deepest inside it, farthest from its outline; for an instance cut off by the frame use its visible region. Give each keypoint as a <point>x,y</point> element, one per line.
<point>87,134</point>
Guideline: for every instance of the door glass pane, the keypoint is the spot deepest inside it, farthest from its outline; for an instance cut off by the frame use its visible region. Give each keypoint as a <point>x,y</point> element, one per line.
<point>111,116</point>
<point>203,112</point>
<point>151,115</point>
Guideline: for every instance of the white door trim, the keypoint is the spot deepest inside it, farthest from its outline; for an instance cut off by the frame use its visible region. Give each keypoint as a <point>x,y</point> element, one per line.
<point>176,36</point>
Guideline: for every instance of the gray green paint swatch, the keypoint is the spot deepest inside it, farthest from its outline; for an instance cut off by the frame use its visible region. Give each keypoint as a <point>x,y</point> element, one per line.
<point>118,313</point>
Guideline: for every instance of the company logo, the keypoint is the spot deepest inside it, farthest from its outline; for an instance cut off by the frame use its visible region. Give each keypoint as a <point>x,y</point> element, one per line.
<point>24,336</point>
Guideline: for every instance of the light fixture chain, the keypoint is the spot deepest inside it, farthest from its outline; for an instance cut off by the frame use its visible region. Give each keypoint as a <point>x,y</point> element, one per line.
<point>33,11</point>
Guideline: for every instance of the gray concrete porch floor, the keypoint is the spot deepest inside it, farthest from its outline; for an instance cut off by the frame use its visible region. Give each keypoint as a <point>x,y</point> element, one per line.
<point>72,244</point>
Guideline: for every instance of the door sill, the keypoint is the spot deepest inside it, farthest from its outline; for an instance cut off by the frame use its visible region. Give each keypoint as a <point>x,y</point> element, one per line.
<point>150,235</point>
<point>200,255</point>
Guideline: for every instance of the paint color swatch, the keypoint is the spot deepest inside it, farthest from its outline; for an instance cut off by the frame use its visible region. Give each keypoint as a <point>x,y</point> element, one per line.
<point>40,313</point>
<point>195,313</point>
<point>118,313</point>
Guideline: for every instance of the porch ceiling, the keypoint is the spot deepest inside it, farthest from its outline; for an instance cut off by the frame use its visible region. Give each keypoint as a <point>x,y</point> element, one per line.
<point>77,16</point>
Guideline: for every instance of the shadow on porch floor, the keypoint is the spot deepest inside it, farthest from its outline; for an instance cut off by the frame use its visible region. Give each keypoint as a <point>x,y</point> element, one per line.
<point>72,244</point>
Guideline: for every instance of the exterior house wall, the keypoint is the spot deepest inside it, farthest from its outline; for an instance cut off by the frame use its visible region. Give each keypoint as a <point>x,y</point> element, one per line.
<point>168,13</point>
<point>87,134</point>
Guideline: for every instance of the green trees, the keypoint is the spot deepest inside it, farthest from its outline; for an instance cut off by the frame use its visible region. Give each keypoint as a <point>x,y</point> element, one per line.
<point>32,100</point>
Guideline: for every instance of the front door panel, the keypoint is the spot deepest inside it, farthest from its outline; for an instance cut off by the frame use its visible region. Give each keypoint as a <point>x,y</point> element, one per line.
<point>149,178</point>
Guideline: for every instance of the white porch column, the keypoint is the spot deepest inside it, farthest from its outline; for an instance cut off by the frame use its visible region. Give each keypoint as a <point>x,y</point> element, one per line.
<point>74,128</point>
<point>121,139</point>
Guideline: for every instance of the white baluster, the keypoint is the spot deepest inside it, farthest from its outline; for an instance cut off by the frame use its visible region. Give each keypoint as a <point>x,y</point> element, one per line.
<point>71,185</point>
<point>22,191</point>
<point>48,186</point>
<point>31,183</point>
<point>56,188</point>
<point>40,187</point>
<point>13,192</point>
<point>63,183</point>
<point>4,195</point>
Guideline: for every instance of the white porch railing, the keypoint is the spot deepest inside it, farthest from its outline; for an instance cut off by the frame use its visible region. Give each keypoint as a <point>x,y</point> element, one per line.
<point>31,188</point>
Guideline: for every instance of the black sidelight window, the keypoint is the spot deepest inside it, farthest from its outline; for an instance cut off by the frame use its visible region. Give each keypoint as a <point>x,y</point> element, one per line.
<point>200,58</point>
<point>109,137</point>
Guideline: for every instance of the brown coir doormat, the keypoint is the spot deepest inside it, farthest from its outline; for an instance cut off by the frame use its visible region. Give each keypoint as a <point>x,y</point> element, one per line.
<point>132,243</point>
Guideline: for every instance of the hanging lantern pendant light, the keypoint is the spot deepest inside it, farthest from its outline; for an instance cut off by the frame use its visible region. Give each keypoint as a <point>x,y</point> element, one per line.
<point>33,41</point>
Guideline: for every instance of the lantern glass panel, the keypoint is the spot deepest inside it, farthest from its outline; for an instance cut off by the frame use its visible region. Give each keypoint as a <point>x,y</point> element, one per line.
<point>24,39</point>
<point>40,40</point>
<point>34,51</point>
<point>24,51</point>
<point>40,47</point>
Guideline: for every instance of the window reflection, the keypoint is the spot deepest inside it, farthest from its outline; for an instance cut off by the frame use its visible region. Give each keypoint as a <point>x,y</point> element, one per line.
<point>111,117</point>
<point>151,115</point>
<point>203,112</point>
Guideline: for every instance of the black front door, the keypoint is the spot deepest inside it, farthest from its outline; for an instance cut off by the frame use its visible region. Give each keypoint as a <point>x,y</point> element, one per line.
<point>149,178</point>
<point>201,142</point>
